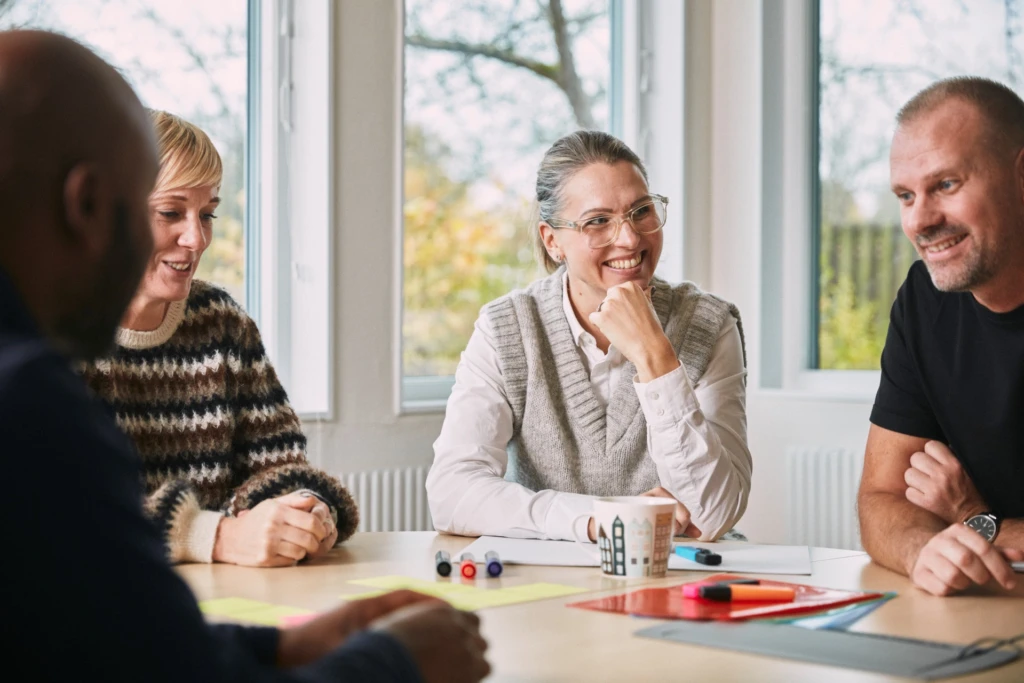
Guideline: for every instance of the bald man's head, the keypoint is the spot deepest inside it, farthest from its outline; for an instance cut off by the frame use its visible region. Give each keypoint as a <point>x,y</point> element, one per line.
<point>77,163</point>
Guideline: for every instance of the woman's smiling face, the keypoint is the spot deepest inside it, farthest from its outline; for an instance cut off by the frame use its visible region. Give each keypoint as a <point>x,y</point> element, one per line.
<point>604,189</point>
<point>182,223</point>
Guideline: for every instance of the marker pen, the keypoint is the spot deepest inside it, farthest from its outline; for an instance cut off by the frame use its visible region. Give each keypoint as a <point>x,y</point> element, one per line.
<point>493,563</point>
<point>699,555</point>
<point>444,563</point>
<point>467,565</point>
<point>697,584</point>
<point>740,593</point>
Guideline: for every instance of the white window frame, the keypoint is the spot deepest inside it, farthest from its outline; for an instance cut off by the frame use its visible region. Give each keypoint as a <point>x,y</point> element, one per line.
<point>789,181</point>
<point>649,62</point>
<point>290,276</point>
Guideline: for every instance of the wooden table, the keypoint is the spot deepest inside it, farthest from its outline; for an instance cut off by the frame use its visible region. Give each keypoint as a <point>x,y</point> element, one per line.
<point>545,641</point>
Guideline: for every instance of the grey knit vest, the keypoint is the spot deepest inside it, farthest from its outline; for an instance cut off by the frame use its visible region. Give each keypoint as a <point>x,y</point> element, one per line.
<point>563,438</point>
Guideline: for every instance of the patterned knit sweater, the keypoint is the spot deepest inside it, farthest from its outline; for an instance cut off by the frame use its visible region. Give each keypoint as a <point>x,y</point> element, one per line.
<point>210,420</point>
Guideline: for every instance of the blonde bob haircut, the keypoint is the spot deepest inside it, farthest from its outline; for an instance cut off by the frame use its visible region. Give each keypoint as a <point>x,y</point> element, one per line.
<point>187,156</point>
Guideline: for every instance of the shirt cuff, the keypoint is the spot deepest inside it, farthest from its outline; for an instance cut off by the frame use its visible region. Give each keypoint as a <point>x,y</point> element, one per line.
<point>568,517</point>
<point>667,399</point>
<point>201,536</point>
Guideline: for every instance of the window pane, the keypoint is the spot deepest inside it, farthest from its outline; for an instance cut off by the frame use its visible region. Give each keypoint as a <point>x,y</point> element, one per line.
<point>875,55</point>
<point>485,96</point>
<point>187,57</point>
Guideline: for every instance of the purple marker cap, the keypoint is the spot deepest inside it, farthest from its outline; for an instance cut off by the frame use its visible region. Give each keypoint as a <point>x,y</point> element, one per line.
<point>494,567</point>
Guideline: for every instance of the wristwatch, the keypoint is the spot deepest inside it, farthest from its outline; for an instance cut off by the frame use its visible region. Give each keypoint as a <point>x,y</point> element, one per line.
<point>985,524</point>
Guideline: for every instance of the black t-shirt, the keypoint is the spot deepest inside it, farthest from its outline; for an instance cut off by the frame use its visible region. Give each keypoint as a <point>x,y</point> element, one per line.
<point>953,371</point>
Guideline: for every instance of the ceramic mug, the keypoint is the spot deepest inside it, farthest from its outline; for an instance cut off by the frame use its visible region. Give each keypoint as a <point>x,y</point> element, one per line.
<point>634,535</point>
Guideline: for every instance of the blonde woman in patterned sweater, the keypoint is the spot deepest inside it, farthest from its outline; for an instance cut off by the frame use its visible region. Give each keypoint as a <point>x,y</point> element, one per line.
<point>223,452</point>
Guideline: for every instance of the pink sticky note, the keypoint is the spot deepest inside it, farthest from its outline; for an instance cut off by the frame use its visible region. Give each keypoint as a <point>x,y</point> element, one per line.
<point>297,620</point>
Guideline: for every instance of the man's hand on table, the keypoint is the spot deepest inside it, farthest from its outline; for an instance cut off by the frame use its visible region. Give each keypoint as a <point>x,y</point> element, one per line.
<point>958,557</point>
<point>445,642</point>
<point>936,482</point>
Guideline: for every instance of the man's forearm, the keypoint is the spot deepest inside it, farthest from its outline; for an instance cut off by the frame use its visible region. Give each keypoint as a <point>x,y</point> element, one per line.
<point>1011,534</point>
<point>893,530</point>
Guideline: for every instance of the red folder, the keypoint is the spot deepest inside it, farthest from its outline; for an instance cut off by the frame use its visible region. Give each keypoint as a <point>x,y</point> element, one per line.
<point>669,603</point>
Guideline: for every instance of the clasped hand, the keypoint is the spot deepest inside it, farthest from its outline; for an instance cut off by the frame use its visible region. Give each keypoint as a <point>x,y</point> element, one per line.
<point>277,532</point>
<point>444,642</point>
<point>936,482</point>
<point>958,557</point>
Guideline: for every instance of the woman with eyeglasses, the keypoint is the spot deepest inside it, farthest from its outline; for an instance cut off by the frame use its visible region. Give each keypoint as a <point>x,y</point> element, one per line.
<point>597,380</point>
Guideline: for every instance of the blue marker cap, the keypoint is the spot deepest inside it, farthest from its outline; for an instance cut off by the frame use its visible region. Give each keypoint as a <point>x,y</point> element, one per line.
<point>494,567</point>
<point>444,563</point>
<point>699,555</point>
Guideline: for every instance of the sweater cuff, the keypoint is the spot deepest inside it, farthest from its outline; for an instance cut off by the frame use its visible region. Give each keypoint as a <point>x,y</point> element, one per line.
<point>368,657</point>
<point>322,499</point>
<point>200,537</point>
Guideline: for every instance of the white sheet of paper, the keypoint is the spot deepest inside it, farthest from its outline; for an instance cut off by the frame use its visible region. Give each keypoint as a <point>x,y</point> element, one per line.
<point>737,556</point>
<point>533,551</point>
<point>749,558</point>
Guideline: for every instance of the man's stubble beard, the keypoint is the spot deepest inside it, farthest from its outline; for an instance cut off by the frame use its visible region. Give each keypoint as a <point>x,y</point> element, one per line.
<point>88,331</point>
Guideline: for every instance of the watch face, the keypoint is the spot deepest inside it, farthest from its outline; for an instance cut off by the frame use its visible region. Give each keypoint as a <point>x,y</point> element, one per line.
<point>984,525</point>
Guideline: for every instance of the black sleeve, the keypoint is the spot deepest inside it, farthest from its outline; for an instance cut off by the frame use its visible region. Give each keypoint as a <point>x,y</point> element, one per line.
<point>90,595</point>
<point>901,404</point>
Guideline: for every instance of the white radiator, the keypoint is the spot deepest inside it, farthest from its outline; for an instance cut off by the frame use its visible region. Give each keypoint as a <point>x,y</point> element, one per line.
<point>823,496</point>
<point>391,500</point>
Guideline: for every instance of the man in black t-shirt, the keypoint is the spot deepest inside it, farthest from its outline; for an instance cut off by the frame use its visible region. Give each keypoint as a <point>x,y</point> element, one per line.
<point>942,496</point>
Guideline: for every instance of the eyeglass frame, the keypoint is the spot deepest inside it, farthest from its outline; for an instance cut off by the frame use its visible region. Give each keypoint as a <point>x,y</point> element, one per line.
<point>561,223</point>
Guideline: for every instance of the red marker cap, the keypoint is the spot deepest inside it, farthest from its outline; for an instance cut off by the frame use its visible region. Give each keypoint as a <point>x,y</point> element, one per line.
<point>467,565</point>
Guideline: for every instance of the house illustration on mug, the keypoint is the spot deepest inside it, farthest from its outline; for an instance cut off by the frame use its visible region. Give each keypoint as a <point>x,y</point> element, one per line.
<point>613,548</point>
<point>641,543</point>
<point>637,552</point>
<point>662,538</point>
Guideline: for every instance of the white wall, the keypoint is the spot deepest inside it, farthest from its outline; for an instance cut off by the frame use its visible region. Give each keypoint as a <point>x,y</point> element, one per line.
<point>776,419</point>
<point>366,431</point>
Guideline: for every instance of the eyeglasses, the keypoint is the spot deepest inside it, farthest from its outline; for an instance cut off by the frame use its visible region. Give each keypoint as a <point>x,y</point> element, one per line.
<point>602,230</point>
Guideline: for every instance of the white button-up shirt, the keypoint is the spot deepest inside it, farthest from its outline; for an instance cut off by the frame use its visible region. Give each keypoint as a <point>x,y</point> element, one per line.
<point>696,435</point>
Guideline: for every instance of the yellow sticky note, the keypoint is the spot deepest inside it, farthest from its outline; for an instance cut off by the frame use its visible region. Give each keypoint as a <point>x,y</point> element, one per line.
<point>360,596</point>
<point>439,589</point>
<point>466,597</point>
<point>542,591</point>
<point>251,611</point>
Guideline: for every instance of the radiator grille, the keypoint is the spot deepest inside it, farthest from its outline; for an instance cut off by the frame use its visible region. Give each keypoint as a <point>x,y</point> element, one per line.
<point>391,500</point>
<point>823,496</point>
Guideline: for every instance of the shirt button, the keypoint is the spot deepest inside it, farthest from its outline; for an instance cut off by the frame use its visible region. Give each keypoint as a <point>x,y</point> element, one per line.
<point>654,396</point>
<point>660,412</point>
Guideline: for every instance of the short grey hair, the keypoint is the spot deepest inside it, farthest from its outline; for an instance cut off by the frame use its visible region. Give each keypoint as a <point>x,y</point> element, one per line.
<point>561,162</point>
<point>1001,107</point>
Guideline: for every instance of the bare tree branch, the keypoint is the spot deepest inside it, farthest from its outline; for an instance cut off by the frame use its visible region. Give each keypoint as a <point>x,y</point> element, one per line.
<point>502,49</point>
<point>479,50</point>
<point>568,78</point>
<point>1011,32</point>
